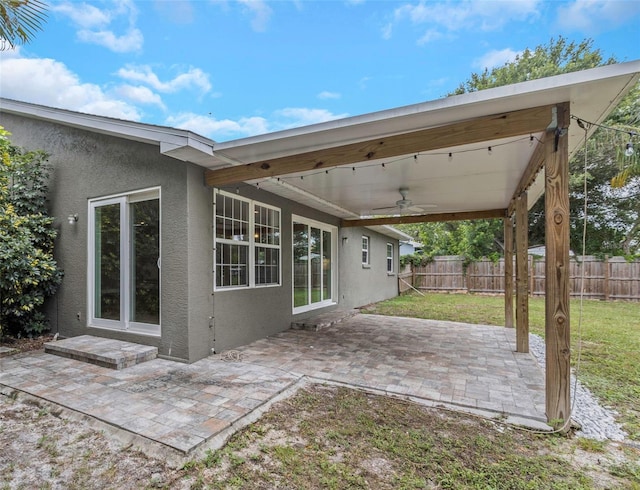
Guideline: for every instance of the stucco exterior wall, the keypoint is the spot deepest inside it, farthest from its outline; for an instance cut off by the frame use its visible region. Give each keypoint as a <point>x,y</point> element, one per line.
<point>245,315</point>
<point>364,284</point>
<point>87,165</point>
<point>195,319</point>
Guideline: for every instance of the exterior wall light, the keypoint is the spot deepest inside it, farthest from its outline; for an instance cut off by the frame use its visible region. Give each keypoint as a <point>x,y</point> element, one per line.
<point>72,219</point>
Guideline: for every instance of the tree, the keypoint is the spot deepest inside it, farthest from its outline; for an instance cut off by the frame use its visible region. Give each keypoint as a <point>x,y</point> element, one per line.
<point>19,21</point>
<point>555,58</point>
<point>613,187</point>
<point>28,272</point>
<point>611,212</point>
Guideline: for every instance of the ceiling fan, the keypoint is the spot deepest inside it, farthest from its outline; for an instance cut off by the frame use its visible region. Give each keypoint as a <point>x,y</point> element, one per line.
<point>405,204</point>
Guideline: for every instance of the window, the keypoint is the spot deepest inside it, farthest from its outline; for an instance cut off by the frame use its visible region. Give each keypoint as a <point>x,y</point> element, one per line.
<point>313,264</point>
<point>124,262</point>
<point>389,257</point>
<point>365,250</point>
<point>247,243</point>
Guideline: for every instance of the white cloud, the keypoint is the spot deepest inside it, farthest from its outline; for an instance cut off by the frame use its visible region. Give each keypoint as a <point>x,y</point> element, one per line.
<point>219,129</point>
<point>387,31</point>
<point>192,78</point>
<point>429,36</point>
<point>139,94</point>
<point>260,11</point>
<point>495,58</point>
<point>592,16</point>
<point>83,15</point>
<point>227,129</point>
<point>292,117</point>
<point>131,41</point>
<point>96,25</point>
<point>49,82</point>
<point>176,12</point>
<point>328,95</point>
<point>443,17</point>
<point>363,82</point>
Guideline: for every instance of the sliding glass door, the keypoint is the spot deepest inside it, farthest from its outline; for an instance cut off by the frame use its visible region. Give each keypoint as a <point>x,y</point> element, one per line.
<point>124,266</point>
<point>313,264</point>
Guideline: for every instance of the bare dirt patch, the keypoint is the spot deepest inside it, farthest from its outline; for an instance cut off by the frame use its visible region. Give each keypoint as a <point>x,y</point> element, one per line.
<point>41,448</point>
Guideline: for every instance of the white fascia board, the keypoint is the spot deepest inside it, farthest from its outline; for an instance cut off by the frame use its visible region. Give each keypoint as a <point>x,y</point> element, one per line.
<point>177,143</point>
<point>391,232</point>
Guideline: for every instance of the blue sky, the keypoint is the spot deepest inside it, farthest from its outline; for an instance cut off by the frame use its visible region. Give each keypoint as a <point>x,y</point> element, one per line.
<point>228,69</point>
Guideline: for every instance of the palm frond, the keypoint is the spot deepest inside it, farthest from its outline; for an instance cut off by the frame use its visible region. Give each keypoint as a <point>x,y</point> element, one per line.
<point>20,20</point>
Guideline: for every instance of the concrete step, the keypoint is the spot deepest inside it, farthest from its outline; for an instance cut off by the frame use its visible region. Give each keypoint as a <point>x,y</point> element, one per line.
<point>109,353</point>
<point>323,320</point>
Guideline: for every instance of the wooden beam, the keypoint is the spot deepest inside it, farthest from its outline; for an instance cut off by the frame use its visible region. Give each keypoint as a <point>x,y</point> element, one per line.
<point>424,218</point>
<point>476,130</point>
<point>536,162</point>
<point>522,274</point>
<point>508,272</point>
<point>557,327</point>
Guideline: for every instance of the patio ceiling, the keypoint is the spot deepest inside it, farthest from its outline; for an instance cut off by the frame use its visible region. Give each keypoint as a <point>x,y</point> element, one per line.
<point>438,150</point>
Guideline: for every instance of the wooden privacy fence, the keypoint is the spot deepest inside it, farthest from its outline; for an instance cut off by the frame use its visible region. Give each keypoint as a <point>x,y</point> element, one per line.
<point>613,278</point>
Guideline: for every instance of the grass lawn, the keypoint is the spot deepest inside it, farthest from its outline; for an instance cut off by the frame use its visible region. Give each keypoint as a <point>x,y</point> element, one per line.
<point>610,331</point>
<point>327,437</point>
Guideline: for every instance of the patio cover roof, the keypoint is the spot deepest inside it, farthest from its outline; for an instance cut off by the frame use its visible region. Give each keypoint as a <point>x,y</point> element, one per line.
<point>438,150</point>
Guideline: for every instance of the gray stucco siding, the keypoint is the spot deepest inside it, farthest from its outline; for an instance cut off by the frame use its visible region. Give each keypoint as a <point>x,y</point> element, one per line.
<point>359,284</point>
<point>248,314</point>
<point>195,318</point>
<point>85,166</point>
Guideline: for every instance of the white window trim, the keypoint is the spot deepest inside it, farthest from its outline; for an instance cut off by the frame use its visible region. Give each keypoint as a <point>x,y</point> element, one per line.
<point>251,243</point>
<point>366,263</point>
<point>390,270</point>
<point>334,264</point>
<point>124,325</point>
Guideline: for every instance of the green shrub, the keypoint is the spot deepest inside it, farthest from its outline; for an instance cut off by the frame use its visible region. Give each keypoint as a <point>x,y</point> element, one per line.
<point>28,272</point>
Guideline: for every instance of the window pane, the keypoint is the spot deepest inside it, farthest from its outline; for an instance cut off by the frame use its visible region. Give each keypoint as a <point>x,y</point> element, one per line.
<point>300,264</point>
<point>231,265</point>
<point>315,259</point>
<point>267,265</point>
<point>326,265</point>
<point>145,254</point>
<point>107,262</point>
<point>267,225</point>
<point>232,218</point>
<point>365,250</point>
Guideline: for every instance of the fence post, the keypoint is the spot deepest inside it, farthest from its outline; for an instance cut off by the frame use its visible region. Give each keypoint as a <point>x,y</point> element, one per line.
<point>606,278</point>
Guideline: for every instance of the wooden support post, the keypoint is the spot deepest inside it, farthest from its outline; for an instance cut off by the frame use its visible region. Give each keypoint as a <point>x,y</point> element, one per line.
<point>508,272</point>
<point>557,330</point>
<point>522,274</point>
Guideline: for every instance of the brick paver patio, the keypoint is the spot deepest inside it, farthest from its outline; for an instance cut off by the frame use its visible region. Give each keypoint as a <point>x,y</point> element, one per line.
<point>178,410</point>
